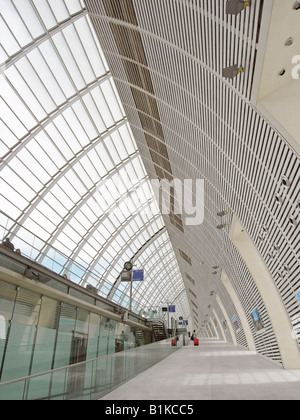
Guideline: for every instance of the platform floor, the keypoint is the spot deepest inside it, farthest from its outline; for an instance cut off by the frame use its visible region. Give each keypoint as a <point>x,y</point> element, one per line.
<point>214,371</point>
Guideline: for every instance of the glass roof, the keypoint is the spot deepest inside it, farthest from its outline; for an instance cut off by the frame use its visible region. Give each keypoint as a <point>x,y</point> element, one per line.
<point>70,170</point>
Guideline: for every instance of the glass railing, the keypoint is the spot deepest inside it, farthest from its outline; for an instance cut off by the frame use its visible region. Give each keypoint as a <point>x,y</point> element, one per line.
<point>154,312</point>
<point>39,251</point>
<point>89,380</point>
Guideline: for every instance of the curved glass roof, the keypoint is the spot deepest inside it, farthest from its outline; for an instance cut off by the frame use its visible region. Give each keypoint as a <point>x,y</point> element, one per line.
<point>71,173</point>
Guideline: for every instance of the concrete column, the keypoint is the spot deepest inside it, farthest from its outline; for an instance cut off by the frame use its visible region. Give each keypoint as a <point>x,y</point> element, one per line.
<point>228,320</point>
<point>220,325</point>
<point>278,315</point>
<point>214,327</point>
<point>240,311</point>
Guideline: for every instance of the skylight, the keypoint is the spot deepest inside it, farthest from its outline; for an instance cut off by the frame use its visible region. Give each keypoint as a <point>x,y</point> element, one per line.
<point>71,173</point>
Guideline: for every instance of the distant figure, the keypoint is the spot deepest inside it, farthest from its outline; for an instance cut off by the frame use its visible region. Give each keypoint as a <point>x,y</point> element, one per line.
<point>193,335</point>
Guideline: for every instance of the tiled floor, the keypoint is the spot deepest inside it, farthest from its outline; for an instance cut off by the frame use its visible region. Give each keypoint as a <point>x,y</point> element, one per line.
<point>214,371</point>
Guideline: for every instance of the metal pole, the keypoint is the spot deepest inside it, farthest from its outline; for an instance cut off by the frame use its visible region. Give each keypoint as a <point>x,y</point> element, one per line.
<point>131,281</point>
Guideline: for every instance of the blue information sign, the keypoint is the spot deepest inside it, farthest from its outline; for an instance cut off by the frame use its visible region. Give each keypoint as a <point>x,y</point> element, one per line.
<point>138,275</point>
<point>172,308</point>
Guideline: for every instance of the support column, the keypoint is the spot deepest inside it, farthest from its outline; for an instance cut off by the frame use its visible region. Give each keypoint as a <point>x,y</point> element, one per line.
<point>229,323</point>
<point>240,311</point>
<point>274,305</point>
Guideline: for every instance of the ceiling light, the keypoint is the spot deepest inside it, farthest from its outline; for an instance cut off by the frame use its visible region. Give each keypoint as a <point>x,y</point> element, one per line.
<point>221,227</point>
<point>293,221</point>
<point>232,71</point>
<point>234,7</point>
<point>297,5</point>
<point>282,72</point>
<point>289,42</point>
<point>286,182</point>
<point>222,213</point>
<point>278,198</point>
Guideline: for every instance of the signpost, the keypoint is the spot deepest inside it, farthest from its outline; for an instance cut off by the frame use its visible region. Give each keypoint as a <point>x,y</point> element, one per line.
<point>130,275</point>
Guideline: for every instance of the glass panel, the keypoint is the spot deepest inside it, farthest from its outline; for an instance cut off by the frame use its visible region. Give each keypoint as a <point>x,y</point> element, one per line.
<point>76,176</point>
<point>46,336</point>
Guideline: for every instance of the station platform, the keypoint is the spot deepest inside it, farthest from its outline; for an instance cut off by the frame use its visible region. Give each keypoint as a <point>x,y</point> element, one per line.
<point>215,370</point>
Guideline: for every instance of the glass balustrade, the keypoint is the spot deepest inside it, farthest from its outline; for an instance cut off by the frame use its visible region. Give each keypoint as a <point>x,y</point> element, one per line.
<point>89,380</point>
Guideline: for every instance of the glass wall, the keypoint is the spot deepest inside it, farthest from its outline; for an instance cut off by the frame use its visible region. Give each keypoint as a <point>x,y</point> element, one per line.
<point>38,334</point>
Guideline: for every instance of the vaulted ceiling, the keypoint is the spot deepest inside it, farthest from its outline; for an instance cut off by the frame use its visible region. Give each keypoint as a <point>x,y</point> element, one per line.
<point>190,122</point>
<point>102,96</point>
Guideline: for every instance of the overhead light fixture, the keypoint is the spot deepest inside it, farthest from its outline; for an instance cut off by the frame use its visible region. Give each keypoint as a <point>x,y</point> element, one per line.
<point>286,182</point>
<point>278,198</point>
<point>293,221</point>
<point>232,71</point>
<point>281,72</point>
<point>266,230</point>
<point>222,213</point>
<point>234,7</point>
<point>216,267</point>
<point>296,5</point>
<point>220,227</point>
<point>289,42</point>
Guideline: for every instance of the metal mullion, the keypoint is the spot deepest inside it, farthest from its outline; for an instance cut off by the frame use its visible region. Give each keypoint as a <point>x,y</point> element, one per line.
<point>13,35</point>
<point>126,246</point>
<point>78,68</point>
<point>54,180</point>
<point>40,40</point>
<point>67,123</point>
<point>95,226</point>
<point>43,124</point>
<point>17,119</point>
<point>96,107</point>
<point>77,206</point>
<point>80,40</point>
<point>20,16</point>
<point>42,83</point>
<point>108,107</point>
<point>33,94</point>
<point>117,232</point>
<point>210,35</point>
<point>46,63</point>
<point>122,250</point>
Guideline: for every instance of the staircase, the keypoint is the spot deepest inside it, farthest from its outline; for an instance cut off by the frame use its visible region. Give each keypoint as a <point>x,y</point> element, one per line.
<point>139,337</point>
<point>158,328</point>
